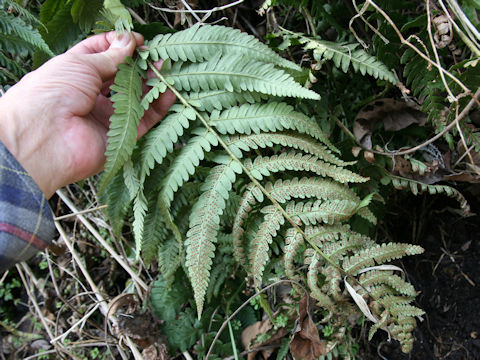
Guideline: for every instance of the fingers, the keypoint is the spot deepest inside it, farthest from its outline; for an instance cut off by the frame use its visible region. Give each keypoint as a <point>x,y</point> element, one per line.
<point>156,112</point>
<point>99,43</point>
<point>105,53</point>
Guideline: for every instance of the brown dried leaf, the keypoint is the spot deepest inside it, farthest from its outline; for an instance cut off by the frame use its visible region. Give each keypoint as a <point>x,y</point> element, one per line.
<point>261,327</point>
<point>394,114</point>
<point>306,343</point>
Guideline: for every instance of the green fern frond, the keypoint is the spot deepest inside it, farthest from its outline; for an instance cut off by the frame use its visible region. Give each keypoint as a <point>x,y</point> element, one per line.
<point>343,55</point>
<point>293,241</point>
<point>270,117</point>
<point>264,166</point>
<point>259,246</point>
<point>417,187</point>
<point>160,140</point>
<point>154,233</point>
<point>186,162</point>
<point>140,207</point>
<point>122,135</point>
<point>203,228</point>
<point>321,235</point>
<point>26,15</point>
<point>118,199</point>
<point>349,241</point>
<point>14,30</point>
<point>221,99</point>
<point>282,191</point>
<point>169,260</point>
<point>405,310</point>
<point>237,143</point>
<point>379,254</point>
<point>158,87</point>
<point>236,74</point>
<point>388,278</point>
<point>11,68</point>
<point>329,212</point>
<point>312,259</point>
<point>202,42</point>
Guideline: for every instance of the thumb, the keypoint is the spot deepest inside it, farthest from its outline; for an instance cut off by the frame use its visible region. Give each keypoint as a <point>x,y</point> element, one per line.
<point>106,63</point>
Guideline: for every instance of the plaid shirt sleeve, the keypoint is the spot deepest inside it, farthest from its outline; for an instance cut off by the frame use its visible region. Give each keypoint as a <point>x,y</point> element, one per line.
<point>26,220</point>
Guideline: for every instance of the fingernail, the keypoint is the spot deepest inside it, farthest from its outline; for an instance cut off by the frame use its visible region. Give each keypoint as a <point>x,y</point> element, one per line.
<point>121,40</point>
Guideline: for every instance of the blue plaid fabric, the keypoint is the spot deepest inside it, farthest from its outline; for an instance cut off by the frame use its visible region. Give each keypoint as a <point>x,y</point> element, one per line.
<point>26,220</point>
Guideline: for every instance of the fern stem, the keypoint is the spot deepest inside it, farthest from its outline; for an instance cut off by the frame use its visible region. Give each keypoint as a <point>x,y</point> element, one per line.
<point>245,170</point>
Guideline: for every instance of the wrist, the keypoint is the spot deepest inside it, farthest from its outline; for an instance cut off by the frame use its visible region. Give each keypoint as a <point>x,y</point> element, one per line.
<point>24,142</point>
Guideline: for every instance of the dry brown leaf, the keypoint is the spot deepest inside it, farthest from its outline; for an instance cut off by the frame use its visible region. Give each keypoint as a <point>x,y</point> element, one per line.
<point>261,327</point>
<point>394,114</point>
<point>306,343</point>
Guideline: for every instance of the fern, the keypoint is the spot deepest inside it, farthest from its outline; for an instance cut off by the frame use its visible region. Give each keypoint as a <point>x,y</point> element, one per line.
<point>343,55</point>
<point>200,43</point>
<point>124,122</point>
<point>200,173</point>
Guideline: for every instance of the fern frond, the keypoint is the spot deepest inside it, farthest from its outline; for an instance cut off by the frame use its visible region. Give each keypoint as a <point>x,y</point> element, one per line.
<point>221,99</point>
<point>160,140</point>
<point>379,254</point>
<point>388,278</point>
<point>236,74</point>
<point>236,143</point>
<point>282,191</point>
<point>204,224</point>
<point>169,259</point>
<point>158,87</point>
<point>117,197</point>
<point>259,246</point>
<point>264,166</point>
<point>349,241</point>
<point>122,135</point>
<point>329,212</point>
<point>154,233</point>
<point>202,42</point>
<point>185,163</point>
<point>250,196</point>
<point>312,258</point>
<point>417,187</point>
<point>15,29</point>
<point>320,235</point>
<point>343,55</point>
<point>405,310</point>
<point>293,241</point>
<point>140,207</point>
<point>271,117</point>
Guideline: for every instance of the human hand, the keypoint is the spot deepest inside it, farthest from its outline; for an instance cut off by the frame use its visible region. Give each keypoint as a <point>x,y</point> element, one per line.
<point>55,119</point>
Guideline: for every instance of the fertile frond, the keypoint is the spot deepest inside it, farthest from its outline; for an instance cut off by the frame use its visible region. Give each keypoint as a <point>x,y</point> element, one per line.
<point>203,228</point>
<point>236,74</point>
<point>312,276</point>
<point>140,208</point>
<point>259,246</point>
<point>379,254</point>
<point>271,117</point>
<point>169,259</point>
<point>237,143</point>
<point>202,42</point>
<point>376,277</point>
<point>329,212</point>
<point>293,241</point>
<point>122,135</point>
<point>264,166</point>
<point>154,232</point>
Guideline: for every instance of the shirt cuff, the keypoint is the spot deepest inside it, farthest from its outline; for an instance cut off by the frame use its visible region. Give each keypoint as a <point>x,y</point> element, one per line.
<point>26,220</point>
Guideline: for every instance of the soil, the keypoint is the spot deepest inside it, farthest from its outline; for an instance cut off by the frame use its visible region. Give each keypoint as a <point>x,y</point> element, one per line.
<point>448,280</point>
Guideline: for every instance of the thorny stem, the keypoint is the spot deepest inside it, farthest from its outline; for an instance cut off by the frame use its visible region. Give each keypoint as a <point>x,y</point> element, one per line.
<point>245,170</point>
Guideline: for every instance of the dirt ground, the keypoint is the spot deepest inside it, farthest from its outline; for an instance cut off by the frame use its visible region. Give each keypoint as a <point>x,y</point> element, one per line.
<point>447,277</point>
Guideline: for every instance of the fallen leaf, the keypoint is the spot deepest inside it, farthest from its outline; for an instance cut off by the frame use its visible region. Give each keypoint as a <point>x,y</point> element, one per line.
<point>306,343</point>
<point>394,114</point>
<point>360,301</point>
<point>261,327</point>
